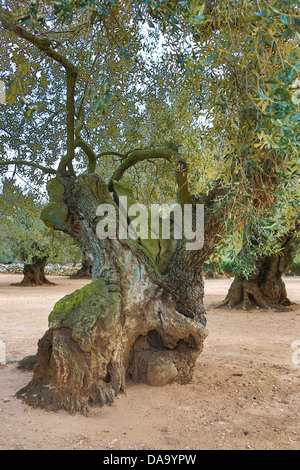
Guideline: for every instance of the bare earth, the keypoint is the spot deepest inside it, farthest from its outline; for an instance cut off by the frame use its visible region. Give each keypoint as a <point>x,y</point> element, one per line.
<point>245,392</point>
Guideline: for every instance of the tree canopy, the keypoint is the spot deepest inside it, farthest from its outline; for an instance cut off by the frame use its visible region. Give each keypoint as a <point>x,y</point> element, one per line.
<point>91,85</point>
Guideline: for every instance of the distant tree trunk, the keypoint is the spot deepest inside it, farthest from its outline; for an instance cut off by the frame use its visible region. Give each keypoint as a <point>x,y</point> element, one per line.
<point>141,317</point>
<point>85,272</point>
<point>34,273</point>
<point>213,272</point>
<point>266,289</point>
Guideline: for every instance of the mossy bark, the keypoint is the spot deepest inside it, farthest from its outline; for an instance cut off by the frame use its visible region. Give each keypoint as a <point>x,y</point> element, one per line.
<point>142,317</point>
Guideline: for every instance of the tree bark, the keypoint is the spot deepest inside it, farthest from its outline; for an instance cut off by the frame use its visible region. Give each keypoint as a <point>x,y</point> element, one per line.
<point>142,317</point>
<point>266,289</point>
<point>34,273</point>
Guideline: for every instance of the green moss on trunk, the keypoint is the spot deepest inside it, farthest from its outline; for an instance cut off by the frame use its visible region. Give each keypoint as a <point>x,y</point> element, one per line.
<point>81,310</point>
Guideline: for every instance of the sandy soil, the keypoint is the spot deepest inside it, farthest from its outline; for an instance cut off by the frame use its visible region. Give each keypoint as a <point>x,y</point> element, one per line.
<point>245,392</point>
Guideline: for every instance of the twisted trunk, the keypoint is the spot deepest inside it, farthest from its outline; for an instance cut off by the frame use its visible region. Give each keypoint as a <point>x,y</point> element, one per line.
<point>34,273</point>
<point>266,289</point>
<point>141,317</point>
<point>85,272</point>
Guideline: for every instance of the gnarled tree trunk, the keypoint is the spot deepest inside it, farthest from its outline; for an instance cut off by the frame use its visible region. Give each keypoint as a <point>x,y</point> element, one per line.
<point>34,273</point>
<point>266,289</point>
<point>141,317</point>
<point>85,272</point>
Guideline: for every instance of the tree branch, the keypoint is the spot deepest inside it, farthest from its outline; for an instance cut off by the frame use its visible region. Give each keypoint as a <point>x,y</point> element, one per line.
<point>34,165</point>
<point>92,158</point>
<point>43,44</point>
<point>183,195</point>
<point>80,142</point>
<point>169,154</point>
<point>111,152</point>
<point>7,21</point>
<point>71,80</point>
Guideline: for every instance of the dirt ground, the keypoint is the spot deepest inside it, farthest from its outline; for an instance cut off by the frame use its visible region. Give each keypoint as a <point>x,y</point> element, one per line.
<point>244,395</point>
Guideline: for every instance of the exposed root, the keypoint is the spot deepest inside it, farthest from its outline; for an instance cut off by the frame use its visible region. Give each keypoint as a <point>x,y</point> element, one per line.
<point>47,396</point>
<point>27,363</point>
<point>250,295</point>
